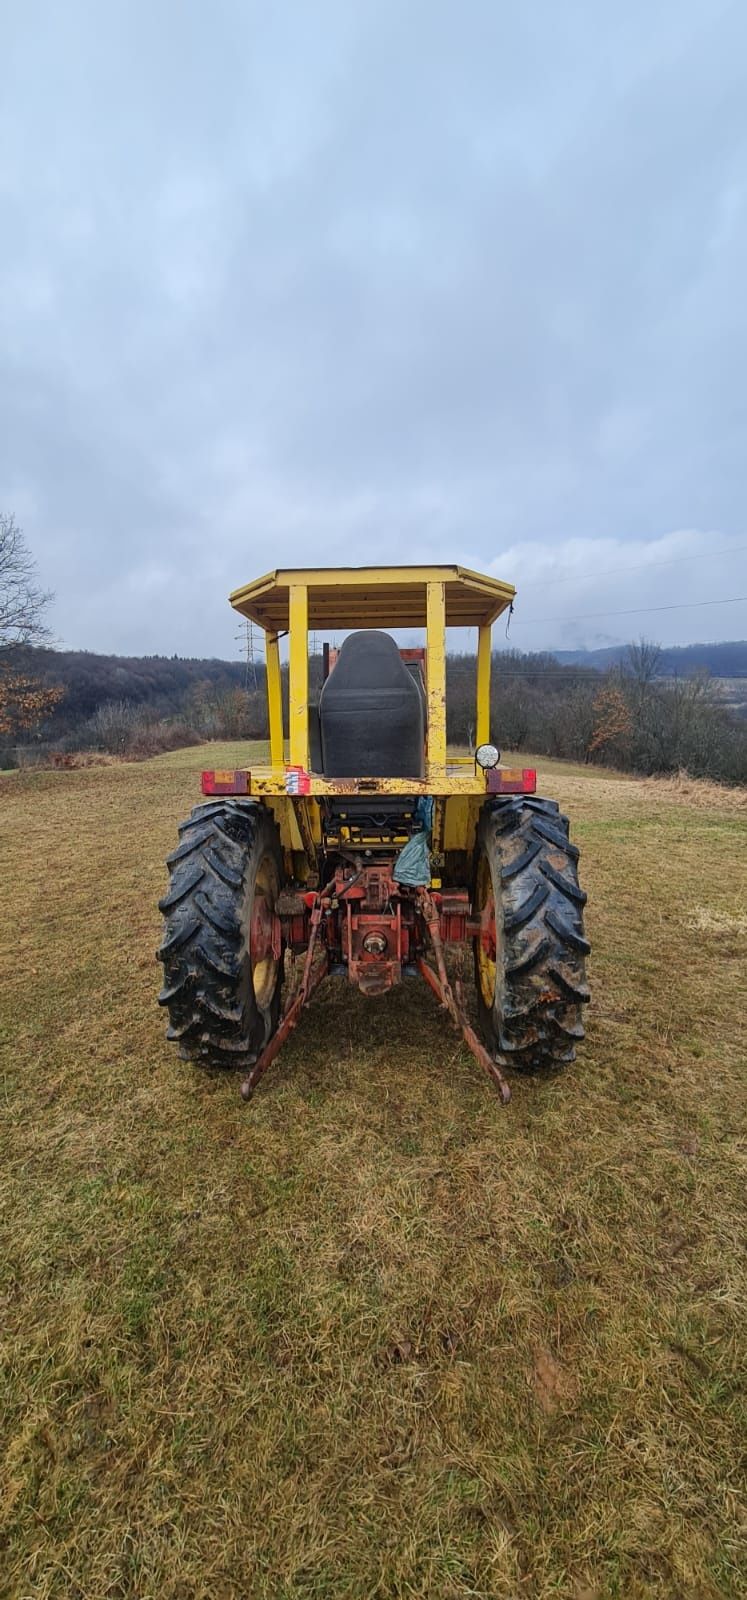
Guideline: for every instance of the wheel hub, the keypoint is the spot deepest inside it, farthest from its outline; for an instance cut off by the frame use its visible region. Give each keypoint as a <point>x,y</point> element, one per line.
<point>265,934</point>
<point>262,931</point>
<point>487,941</point>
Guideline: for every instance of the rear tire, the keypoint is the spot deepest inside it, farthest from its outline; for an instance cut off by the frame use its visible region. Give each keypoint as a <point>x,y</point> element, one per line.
<point>222,977</point>
<point>530,961</point>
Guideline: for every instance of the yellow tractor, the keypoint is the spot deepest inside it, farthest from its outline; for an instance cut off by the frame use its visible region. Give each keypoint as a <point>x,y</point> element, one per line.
<point>367,849</point>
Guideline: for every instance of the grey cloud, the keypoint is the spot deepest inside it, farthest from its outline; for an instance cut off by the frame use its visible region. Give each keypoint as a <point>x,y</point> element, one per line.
<point>341,283</point>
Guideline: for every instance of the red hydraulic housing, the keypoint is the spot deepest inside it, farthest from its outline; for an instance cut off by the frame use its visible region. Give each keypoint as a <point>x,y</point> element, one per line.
<point>372,924</point>
<point>376,938</point>
<point>375,928</point>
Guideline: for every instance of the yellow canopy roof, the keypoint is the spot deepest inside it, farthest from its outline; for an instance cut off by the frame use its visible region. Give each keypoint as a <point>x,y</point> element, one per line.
<point>373,597</point>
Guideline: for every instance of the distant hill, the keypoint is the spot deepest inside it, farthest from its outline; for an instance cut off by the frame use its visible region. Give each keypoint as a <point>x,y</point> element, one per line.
<point>141,705</point>
<point>165,685</point>
<point>727,660</point>
<point>162,683</point>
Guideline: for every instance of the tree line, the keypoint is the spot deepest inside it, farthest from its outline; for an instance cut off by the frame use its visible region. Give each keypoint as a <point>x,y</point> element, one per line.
<point>628,717</point>
<point>56,702</point>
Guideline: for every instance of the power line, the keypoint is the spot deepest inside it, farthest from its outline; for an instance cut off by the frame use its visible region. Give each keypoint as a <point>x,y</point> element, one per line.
<point>614,572</point>
<point>580,670</point>
<point>638,611</point>
<point>585,672</point>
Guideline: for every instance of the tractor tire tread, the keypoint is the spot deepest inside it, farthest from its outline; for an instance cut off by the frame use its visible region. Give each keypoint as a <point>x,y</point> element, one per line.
<point>557,835</point>
<point>567,933</point>
<point>544,947</point>
<point>231,876</point>
<point>179,890</point>
<point>188,847</point>
<point>520,862</point>
<point>522,913</point>
<point>567,886</point>
<point>207,988</point>
<point>222,921</point>
<point>534,803</point>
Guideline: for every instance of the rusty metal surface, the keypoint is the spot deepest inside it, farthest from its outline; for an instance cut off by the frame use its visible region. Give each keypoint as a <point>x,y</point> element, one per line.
<point>375,927</point>
<point>441,987</point>
<point>290,903</point>
<point>375,938</point>
<point>453,910</point>
<point>468,1033</point>
<point>310,980</point>
<point>265,933</point>
<point>307,836</point>
<point>456,778</point>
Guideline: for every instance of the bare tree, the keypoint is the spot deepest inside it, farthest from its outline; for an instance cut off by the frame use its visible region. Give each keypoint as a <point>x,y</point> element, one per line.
<point>642,660</point>
<point>641,665</point>
<point>22,602</point>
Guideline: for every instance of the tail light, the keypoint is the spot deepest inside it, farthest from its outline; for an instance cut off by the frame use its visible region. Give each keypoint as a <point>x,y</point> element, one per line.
<point>512,780</point>
<point>226,782</point>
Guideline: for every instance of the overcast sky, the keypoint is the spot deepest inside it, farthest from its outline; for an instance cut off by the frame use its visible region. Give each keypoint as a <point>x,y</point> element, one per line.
<point>376,281</point>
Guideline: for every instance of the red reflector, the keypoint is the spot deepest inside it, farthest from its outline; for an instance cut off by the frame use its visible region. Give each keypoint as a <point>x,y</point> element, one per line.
<point>511,780</point>
<point>225,782</point>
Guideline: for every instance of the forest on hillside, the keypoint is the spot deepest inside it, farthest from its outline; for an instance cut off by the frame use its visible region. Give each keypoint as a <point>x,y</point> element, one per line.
<point>636,715</point>
<point>724,659</point>
<point>162,685</point>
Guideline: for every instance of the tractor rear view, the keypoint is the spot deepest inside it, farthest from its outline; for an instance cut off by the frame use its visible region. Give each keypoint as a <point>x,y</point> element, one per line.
<point>363,848</point>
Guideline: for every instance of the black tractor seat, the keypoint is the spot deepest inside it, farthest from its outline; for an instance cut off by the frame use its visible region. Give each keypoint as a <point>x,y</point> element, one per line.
<point>372,712</point>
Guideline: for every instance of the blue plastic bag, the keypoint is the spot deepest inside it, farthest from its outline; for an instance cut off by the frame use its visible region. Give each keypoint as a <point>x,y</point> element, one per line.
<point>413,864</point>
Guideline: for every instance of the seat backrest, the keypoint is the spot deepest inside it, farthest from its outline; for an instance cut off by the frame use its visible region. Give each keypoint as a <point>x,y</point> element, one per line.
<point>371,711</point>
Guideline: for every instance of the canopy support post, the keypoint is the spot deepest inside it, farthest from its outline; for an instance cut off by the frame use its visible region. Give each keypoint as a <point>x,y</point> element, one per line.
<point>436,671</point>
<point>484,645</point>
<point>274,699</point>
<point>298,675</point>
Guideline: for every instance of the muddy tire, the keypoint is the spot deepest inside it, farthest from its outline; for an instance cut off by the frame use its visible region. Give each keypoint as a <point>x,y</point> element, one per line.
<point>222,976</point>
<point>530,961</point>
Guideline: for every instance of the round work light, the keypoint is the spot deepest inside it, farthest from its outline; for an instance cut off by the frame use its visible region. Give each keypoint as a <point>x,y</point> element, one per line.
<point>487,755</point>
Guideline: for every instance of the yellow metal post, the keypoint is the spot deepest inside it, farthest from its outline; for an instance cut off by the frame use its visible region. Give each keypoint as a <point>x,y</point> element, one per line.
<point>298,675</point>
<point>484,643</point>
<point>436,636</point>
<point>274,699</point>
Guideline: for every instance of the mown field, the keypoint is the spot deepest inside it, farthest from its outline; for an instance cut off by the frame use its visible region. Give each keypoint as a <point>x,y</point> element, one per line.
<point>372,1336</point>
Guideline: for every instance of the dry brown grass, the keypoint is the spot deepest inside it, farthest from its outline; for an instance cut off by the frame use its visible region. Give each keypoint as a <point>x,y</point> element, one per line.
<point>682,789</point>
<point>69,760</point>
<point>373,1335</point>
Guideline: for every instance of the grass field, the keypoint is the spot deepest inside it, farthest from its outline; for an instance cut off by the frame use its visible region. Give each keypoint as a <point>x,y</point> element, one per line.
<point>372,1336</point>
